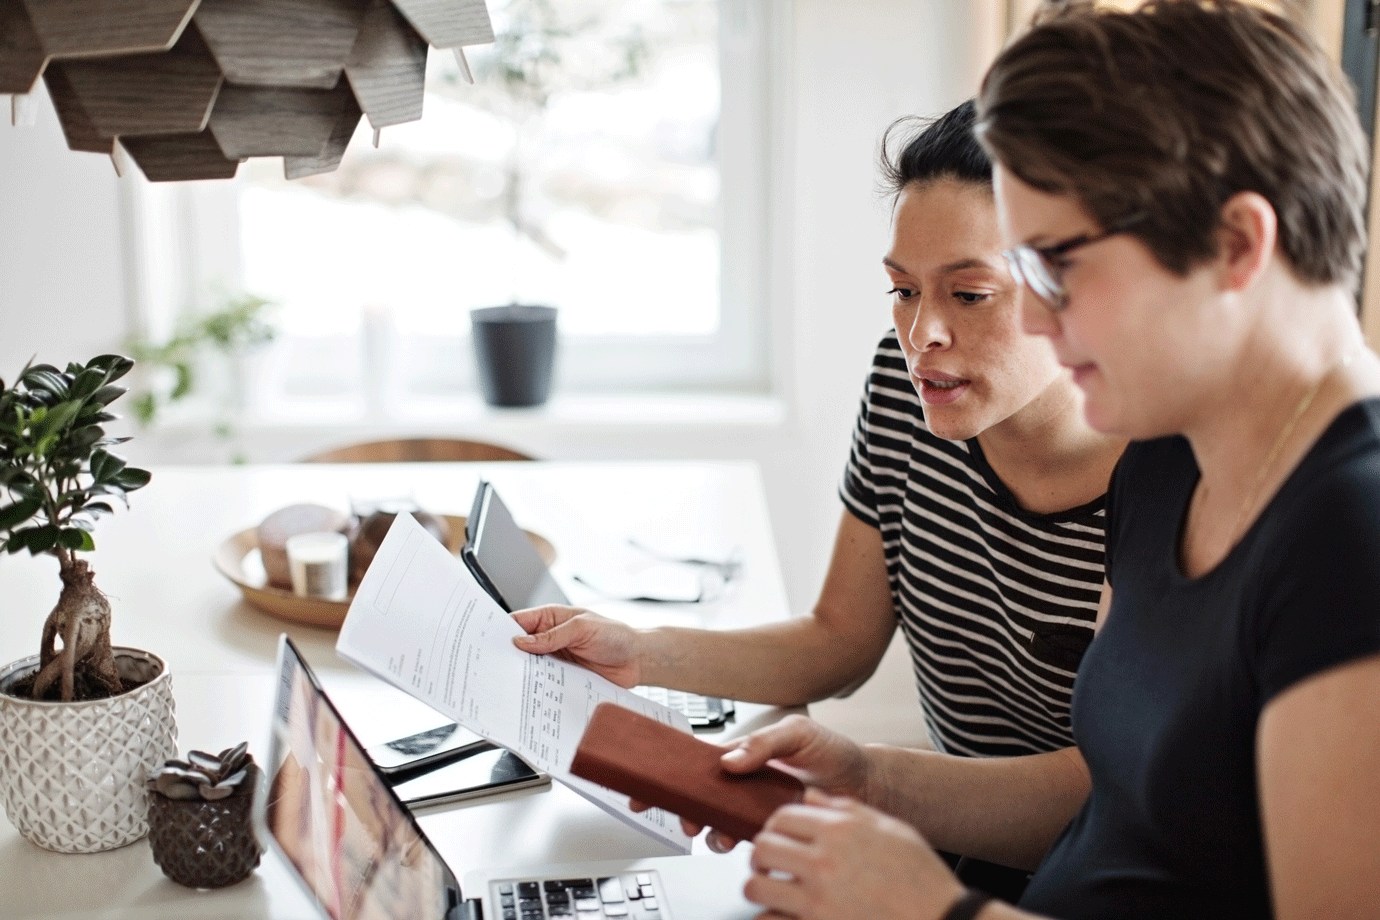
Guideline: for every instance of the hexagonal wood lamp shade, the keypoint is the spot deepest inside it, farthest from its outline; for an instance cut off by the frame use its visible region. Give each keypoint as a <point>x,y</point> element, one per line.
<point>191,88</point>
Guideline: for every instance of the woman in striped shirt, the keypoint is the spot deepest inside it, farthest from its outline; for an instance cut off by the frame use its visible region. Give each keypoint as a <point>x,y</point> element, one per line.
<point>973,502</point>
<point>973,469</point>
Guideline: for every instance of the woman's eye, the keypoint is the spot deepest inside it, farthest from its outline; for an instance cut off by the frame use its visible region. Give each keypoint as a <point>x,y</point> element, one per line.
<point>971,298</point>
<point>902,293</point>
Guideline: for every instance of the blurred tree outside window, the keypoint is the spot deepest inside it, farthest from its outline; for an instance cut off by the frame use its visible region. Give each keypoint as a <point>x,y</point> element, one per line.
<point>581,169</point>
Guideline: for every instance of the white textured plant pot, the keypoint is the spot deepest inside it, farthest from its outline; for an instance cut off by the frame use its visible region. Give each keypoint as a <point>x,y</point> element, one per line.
<point>72,774</point>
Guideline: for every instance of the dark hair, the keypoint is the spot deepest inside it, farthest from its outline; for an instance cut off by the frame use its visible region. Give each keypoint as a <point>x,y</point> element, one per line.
<point>940,148</point>
<point>1172,109</point>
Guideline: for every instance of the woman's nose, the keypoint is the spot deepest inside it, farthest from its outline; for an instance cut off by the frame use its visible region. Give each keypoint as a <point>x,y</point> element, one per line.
<point>928,329</point>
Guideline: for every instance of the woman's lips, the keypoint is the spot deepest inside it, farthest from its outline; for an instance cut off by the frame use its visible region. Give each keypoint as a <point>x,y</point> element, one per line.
<point>939,389</point>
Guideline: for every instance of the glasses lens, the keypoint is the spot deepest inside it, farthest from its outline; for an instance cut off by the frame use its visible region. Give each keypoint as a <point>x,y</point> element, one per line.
<point>1030,269</point>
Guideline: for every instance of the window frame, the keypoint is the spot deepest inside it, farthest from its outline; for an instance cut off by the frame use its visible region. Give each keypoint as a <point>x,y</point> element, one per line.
<point>183,253</point>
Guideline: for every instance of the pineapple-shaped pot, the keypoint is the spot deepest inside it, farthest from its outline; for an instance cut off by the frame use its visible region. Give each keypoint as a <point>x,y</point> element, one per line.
<point>199,818</point>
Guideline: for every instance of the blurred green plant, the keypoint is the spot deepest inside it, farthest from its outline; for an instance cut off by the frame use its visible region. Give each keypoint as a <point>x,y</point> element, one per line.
<point>238,325</point>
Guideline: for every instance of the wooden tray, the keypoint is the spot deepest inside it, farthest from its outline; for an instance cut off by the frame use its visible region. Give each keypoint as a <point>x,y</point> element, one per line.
<point>238,560</point>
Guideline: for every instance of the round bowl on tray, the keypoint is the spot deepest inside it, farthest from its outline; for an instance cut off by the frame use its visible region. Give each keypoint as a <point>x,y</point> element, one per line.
<point>237,558</point>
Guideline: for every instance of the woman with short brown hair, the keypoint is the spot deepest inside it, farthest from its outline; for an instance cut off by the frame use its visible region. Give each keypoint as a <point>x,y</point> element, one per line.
<point>1181,188</point>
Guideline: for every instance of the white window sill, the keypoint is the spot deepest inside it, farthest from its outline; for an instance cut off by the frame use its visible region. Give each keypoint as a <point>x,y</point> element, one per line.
<point>470,413</point>
<point>568,426</point>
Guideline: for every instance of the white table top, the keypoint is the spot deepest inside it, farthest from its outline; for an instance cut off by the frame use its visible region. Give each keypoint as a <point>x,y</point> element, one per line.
<point>153,560</point>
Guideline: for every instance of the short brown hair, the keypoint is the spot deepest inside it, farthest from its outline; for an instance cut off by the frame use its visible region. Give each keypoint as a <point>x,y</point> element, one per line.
<point>1172,109</point>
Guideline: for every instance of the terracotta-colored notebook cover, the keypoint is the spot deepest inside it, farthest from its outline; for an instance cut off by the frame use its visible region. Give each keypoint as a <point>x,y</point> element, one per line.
<point>663,766</point>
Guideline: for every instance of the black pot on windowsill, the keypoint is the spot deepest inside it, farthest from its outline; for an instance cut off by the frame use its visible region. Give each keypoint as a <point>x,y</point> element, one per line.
<point>514,352</point>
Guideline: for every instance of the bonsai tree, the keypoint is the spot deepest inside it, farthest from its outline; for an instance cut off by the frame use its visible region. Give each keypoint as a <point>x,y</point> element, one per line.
<point>57,476</point>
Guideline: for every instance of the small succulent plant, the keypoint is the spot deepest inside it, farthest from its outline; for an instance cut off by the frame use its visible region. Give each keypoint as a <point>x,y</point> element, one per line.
<point>200,830</point>
<point>208,777</point>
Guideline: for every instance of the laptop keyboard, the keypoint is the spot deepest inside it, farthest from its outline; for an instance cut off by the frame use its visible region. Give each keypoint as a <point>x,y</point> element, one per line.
<point>704,712</point>
<point>634,896</point>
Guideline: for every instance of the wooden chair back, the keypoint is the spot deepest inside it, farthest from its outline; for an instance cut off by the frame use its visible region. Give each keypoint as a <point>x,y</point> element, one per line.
<point>400,450</point>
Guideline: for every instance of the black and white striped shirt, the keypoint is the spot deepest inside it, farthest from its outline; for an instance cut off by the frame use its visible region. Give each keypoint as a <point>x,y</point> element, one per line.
<point>996,603</point>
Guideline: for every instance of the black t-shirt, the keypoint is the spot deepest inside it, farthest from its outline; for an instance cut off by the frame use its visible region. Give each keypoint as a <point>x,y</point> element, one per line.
<point>1170,693</point>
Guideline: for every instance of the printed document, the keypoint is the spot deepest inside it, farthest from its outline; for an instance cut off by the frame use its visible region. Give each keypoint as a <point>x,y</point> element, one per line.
<point>420,621</point>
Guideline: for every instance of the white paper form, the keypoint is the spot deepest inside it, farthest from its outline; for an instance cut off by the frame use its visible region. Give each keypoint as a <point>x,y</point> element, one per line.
<point>420,621</point>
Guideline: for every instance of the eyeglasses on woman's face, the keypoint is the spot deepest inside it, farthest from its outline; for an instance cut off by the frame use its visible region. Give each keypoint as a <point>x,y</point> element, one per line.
<point>1041,268</point>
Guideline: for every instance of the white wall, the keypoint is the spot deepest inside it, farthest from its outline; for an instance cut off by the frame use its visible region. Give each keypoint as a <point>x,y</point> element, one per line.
<point>62,281</point>
<point>855,67</point>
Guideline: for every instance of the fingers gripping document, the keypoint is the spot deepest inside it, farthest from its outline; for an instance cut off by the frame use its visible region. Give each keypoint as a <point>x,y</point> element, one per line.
<point>420,621</point>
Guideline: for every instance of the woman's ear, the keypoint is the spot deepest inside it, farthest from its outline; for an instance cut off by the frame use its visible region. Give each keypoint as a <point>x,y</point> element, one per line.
<point>1246,239</point>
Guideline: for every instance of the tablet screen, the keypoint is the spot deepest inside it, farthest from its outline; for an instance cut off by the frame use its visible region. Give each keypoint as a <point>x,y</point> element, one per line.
<point>510,566</point>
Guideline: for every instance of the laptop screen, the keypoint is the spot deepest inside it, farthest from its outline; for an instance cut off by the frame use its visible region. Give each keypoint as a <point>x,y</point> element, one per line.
<point>329,813</point>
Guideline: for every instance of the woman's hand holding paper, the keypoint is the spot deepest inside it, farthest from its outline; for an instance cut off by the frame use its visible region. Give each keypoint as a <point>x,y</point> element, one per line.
<point>606,647</point>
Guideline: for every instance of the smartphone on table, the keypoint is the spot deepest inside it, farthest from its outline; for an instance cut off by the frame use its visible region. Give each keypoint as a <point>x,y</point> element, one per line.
<point>449,764</point>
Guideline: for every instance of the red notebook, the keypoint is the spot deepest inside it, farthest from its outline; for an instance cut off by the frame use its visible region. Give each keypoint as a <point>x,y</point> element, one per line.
<point>663,766</point>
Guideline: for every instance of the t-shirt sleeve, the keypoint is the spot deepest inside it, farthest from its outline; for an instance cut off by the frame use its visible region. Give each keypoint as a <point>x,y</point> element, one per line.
<point>856,489</point>
<point>1125,474</point>
<point>1322,581</point>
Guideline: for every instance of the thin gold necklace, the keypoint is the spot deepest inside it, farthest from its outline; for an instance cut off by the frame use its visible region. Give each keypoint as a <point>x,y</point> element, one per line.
<point>1341,363</point>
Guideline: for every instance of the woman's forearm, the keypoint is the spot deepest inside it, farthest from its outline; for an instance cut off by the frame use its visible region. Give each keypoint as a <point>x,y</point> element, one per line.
<point>799,660</point>
<point>1006,810</point>
<point>785,664</point>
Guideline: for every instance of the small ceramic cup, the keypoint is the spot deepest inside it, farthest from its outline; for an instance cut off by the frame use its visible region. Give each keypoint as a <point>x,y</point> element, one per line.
<point>319,564</point>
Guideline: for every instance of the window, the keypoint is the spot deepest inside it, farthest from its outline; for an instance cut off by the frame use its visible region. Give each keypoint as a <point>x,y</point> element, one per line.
<point>626,185</point>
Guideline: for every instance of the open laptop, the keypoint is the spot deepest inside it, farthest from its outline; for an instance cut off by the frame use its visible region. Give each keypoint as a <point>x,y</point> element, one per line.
<point>505,563</point>
<point>327,811</point>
